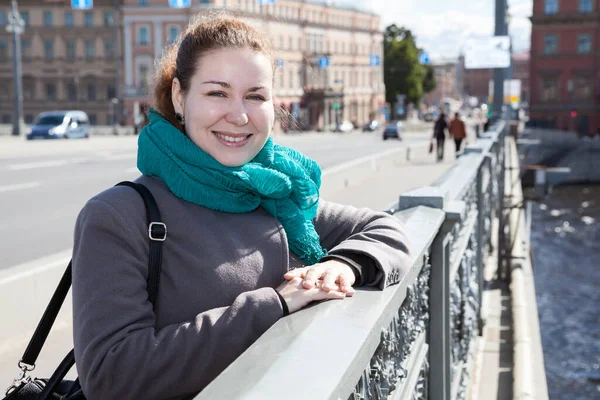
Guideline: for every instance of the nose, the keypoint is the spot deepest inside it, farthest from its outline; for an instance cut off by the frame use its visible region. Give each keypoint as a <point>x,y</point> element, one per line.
<point>237,114</point>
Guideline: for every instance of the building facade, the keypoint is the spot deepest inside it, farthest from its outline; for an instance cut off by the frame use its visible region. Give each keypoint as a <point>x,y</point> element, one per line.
<point>68,59</point>
<point>565,65</point>
<point>446,78</point>
<point>303,33</point>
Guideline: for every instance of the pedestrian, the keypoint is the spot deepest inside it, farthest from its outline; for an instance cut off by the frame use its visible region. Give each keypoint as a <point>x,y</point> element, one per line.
<point>249,239</point>
<point>458,131</point>
<point>439,134</point>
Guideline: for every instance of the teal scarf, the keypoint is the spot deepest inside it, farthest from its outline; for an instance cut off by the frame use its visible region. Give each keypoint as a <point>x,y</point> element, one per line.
<point>279,179</point>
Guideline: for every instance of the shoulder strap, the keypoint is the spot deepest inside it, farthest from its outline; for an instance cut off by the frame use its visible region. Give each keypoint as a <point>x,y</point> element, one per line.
<point>157,232</point>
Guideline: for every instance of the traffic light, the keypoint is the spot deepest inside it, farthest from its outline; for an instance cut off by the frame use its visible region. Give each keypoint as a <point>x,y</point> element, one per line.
<point>336,106</point>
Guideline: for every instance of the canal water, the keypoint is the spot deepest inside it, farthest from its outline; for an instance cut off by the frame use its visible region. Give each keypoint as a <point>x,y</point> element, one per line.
<point>566,258</point>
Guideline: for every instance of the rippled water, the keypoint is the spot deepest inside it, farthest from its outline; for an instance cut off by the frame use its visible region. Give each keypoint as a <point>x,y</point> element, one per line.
<point>566,252</point>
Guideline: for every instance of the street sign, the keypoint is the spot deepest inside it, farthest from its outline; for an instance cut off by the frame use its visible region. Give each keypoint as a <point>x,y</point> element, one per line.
<point>423,58</point>
<point>279,63</point>
<point>179,3</point>
<point>82,4</point>
<point>374,61</point>
<point>323,62</point>
<point>488,52</point>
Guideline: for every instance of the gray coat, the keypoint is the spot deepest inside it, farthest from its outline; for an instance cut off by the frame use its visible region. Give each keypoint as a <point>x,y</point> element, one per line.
<point>216,287</point>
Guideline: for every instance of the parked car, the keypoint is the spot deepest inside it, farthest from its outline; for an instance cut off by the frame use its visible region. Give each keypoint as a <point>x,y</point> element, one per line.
<point>393,130</point>
<point>344,126</point>
<point>371,126</point>
<point>68,124</point>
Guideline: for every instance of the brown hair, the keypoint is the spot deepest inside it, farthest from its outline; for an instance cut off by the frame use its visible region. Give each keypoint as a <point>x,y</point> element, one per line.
<point>208,31</point>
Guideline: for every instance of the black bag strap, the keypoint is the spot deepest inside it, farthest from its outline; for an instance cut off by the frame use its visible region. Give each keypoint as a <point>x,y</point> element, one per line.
<point>157,232</point>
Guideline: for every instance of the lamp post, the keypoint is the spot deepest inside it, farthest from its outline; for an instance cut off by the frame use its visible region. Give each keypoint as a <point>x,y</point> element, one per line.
<point>16,26</point>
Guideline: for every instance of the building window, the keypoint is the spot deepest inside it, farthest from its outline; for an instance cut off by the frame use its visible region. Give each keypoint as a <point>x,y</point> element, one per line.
<point>143,35</point>
<point>291,43</point>
<point>6,119</point>
<point>90,49</point>
<point>551,6</point>
<point>93,119</point>
<point>91,92</point>
<point>50,91</point>
<point>173,33</point>
<point>3,18</point>
<point>142,2</point>
<point>89,19</point>
<point>29,119</point>
<point>47,18</point>
<point>110,92</point>
<point>72,92</point>
<point>27,91</point>
<point>48,49</point>
<point>3,50</point>
<point>550,89</point>
<point>585,6</point>
<point>108,19</point>
<point>71,49</point>
<point>291,81</point>
<point>582,89</point>
<point>300,44</point>
<point>584,43</point>
<point>25,17</point>
<point>26,49</point>
<point>68,18</point>
<point>550,44</point>
<point>109,48</point>
<point>144,75</point>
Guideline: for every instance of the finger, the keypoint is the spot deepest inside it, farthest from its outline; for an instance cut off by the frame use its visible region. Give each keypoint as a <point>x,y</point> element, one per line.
<point>324,295</point>
<point>345,283</point>
<point>329,279</point>
<point>312,276</point>
<point>297,272</point>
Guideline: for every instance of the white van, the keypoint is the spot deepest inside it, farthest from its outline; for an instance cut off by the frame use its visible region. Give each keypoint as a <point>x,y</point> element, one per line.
<point>70,124</point>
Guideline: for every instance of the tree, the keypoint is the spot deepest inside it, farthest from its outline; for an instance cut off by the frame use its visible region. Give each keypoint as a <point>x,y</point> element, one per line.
<point>429,83</point>
<point>402,72</point>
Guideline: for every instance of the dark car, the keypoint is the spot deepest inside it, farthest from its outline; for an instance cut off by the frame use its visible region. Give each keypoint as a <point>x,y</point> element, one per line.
<point>393,131</point>
<point>371,126</point>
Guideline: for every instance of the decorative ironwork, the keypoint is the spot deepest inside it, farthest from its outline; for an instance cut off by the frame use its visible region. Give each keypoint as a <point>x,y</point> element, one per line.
<point>386,370</point>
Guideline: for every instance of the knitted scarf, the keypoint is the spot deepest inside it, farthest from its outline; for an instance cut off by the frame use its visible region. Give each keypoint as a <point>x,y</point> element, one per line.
<point>279,179</point>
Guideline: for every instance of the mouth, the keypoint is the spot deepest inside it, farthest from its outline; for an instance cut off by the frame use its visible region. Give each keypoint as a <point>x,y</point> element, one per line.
<point>232,139</point>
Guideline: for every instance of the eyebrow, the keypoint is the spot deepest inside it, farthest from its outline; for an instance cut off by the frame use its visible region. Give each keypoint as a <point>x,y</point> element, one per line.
<point>228,86</point>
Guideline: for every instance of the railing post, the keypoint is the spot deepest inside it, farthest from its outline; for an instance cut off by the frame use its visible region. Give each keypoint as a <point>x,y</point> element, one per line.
<point>502,271</point>
<point>439,336</point>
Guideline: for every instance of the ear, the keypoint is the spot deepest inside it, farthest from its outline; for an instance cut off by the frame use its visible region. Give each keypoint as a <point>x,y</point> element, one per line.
<point>177,96</point>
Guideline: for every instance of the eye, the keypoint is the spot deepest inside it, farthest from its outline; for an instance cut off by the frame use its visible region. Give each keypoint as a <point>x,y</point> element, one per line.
<point>216,94</point>
<point>256,97</point>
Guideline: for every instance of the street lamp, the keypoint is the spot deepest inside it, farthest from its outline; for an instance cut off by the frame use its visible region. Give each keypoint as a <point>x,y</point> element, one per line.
<point>114,101</point>
<point>16,26</point>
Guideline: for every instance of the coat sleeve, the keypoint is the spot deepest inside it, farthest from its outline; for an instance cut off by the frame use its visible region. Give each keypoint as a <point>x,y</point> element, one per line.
<point>375,240</point>
<point>119,352</point>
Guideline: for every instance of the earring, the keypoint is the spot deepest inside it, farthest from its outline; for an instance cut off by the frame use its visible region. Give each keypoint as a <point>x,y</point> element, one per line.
<point>180,118</point>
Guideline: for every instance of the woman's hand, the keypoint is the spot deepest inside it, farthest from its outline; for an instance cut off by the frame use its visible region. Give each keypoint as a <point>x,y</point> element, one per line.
<point>331,275</point>
<point>296,296</point>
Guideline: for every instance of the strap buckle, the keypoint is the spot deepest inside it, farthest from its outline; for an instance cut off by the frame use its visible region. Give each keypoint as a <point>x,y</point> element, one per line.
<point>157,231</point>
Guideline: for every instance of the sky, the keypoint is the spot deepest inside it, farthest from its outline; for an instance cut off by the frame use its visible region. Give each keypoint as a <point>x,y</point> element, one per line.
<point>442,26</point>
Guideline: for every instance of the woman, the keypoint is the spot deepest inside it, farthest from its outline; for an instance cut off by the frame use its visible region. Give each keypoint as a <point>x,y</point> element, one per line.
<point>248,240</point>
<point>439,134</point>
<point>458,131</point>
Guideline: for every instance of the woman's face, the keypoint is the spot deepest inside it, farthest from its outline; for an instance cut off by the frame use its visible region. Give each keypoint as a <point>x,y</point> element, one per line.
<point>228,108</point>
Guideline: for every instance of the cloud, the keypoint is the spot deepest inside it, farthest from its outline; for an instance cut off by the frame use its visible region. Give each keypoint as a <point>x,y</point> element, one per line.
<point>441,28</point>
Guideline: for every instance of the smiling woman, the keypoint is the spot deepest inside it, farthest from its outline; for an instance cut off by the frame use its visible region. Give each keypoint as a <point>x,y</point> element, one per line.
<point>249,238</point>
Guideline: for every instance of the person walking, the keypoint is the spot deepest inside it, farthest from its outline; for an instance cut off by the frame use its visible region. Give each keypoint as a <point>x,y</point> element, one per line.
<point>439,134</point>
<point>458,131</point>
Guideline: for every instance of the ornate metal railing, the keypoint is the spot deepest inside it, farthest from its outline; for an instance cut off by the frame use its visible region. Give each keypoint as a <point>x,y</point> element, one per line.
<point>414,340</point>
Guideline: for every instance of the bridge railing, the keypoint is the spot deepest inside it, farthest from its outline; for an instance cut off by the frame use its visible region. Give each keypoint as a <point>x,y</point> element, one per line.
<point>414,340</point>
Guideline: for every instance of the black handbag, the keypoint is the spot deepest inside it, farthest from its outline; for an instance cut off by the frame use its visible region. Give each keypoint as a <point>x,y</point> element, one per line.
<point>25,387</point>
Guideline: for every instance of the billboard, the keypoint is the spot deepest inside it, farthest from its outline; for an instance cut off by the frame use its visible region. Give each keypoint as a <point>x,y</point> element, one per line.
<point>488,52</point>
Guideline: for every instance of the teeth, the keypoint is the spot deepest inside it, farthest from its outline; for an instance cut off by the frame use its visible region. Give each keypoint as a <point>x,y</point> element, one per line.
<point>231,139</point>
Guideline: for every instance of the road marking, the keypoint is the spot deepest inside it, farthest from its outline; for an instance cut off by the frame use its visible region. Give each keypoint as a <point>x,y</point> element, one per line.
<point>34,267</point>
<point>122,157</point>
<point>41,164</point>
<point>18,186</point>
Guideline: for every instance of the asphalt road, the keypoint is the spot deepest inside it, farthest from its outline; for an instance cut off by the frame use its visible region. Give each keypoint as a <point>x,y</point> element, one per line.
<point>44,184</point>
